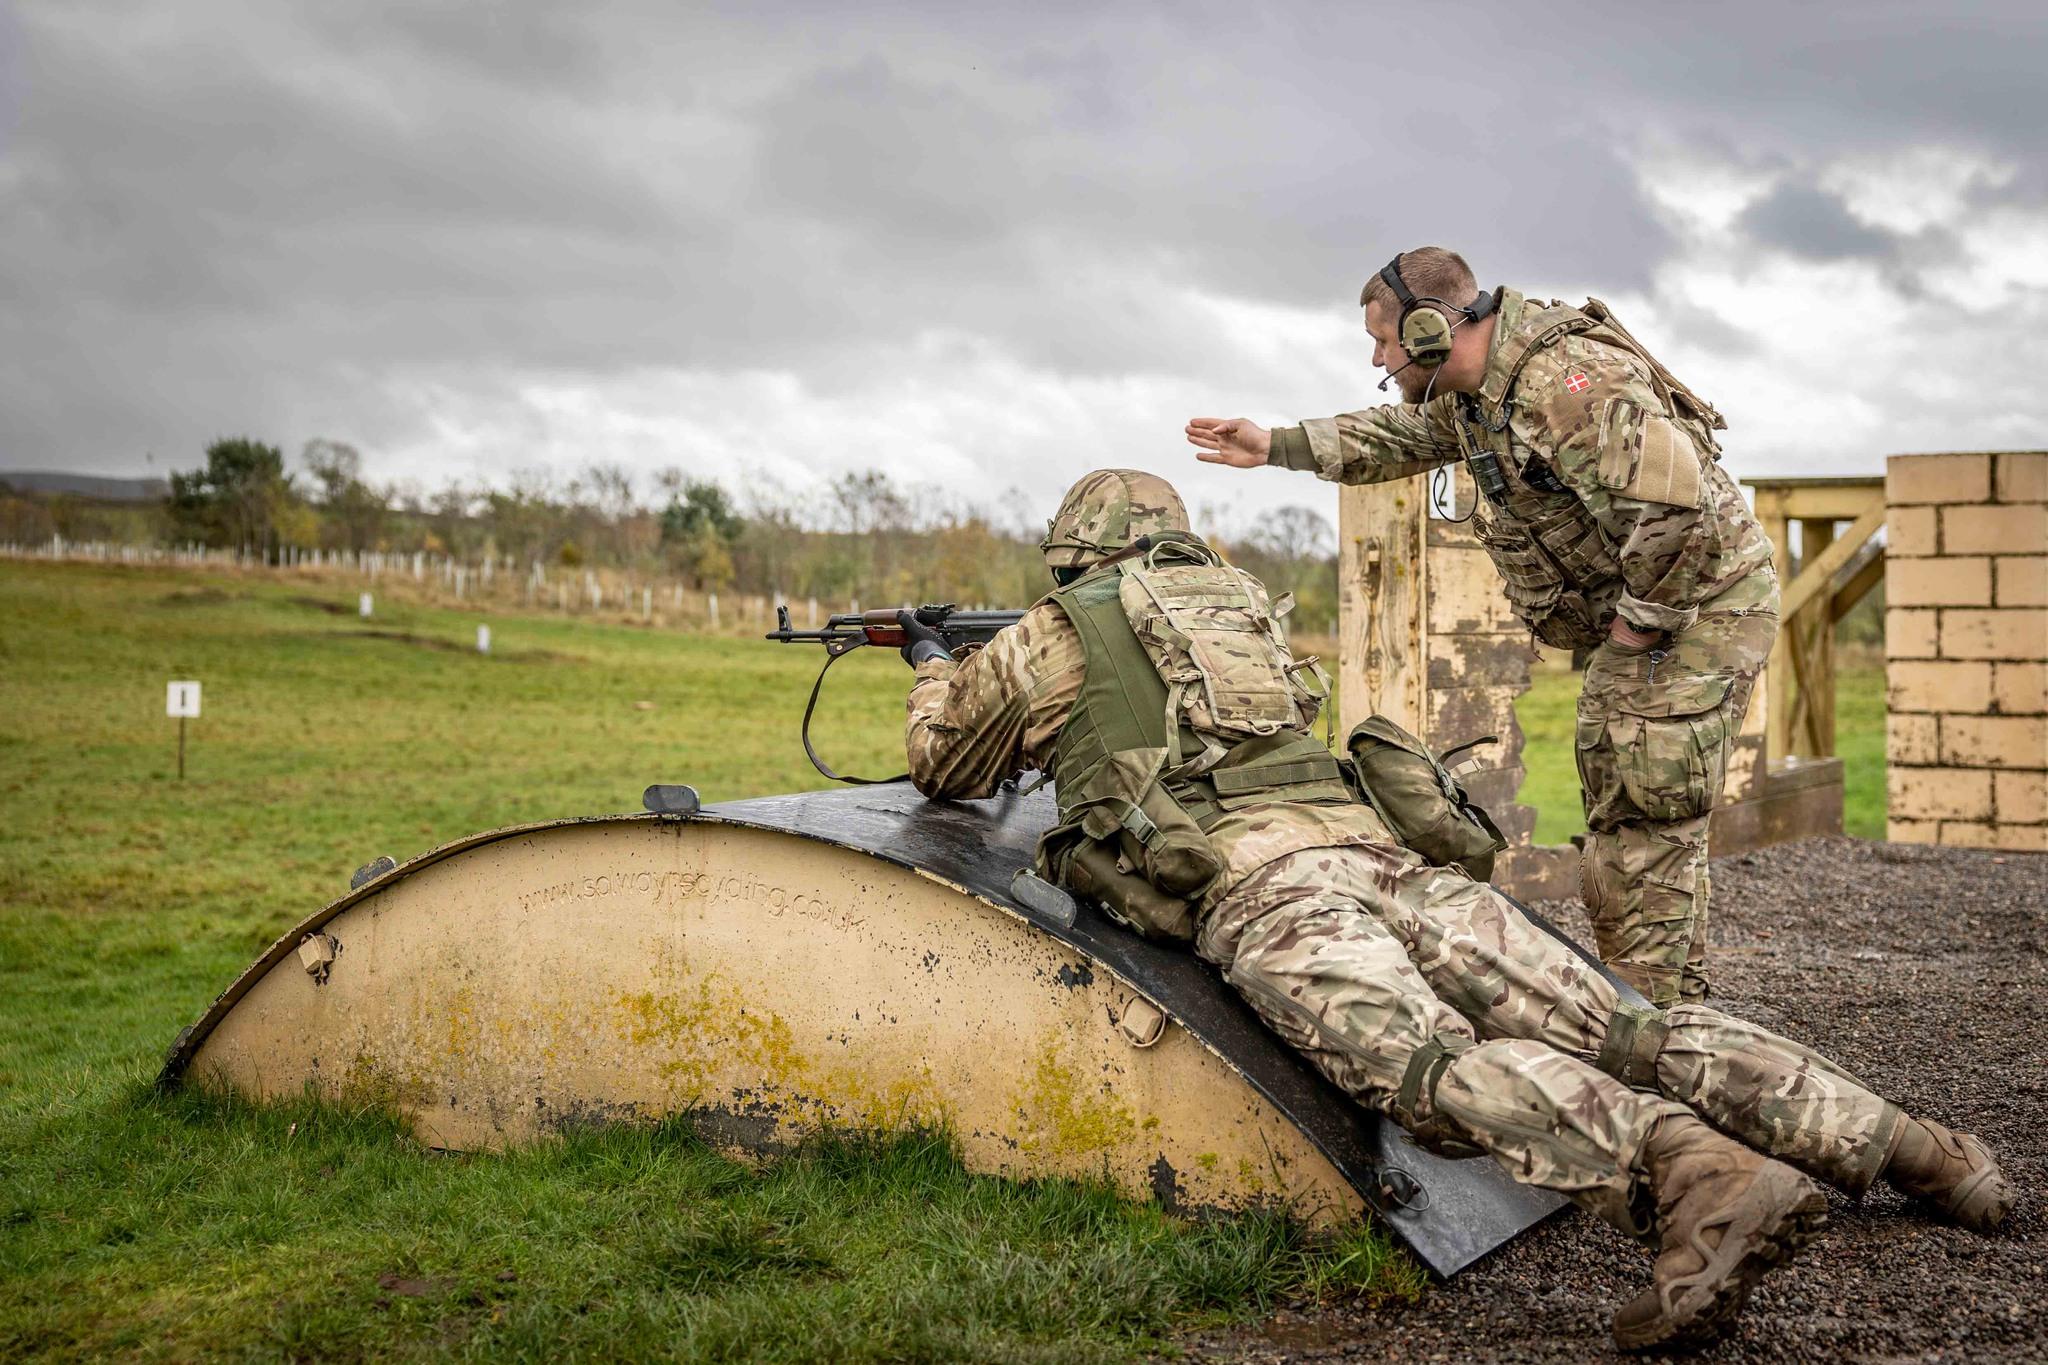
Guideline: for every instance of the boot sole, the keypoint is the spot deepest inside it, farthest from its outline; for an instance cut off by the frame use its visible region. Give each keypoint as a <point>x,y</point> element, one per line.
<point>1794,1213</point>
<point>1982,1202</point>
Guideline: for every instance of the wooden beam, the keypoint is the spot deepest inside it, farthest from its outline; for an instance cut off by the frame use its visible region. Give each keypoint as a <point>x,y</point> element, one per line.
<point>1383,604</point>
<point>1817,684</point>
<point>1819,570</point>
<point>1866,577</point>
<point>1836,502</point>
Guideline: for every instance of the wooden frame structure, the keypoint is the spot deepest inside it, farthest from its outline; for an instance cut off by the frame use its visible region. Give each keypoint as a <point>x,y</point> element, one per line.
<point>1836,569</point>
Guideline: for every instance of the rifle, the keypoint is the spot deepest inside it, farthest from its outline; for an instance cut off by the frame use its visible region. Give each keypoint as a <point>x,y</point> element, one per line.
<point>848,631</point>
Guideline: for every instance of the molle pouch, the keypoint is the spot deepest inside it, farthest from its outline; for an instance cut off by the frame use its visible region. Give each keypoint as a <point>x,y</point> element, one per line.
<point>1104,872</point>
<point>1647,456</point>
<point>1425,807</point>
<point>1217,642</point>
<point>1125,806</point>
<point>1571,623</point>
<point>1531,580</point>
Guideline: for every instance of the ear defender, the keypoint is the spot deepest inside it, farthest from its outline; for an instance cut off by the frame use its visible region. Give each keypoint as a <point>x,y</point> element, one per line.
<point>1424,327</point>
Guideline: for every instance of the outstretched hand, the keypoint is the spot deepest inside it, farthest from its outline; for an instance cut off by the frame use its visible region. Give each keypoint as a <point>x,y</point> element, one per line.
<point>1235,441</point>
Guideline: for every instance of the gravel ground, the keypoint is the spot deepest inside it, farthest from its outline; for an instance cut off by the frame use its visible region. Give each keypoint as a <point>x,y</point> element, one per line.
<point>1922,970</point>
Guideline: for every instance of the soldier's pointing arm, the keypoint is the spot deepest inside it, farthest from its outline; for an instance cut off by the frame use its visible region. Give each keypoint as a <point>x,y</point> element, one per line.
<point>1391,441</point>
<point>1642,476</point>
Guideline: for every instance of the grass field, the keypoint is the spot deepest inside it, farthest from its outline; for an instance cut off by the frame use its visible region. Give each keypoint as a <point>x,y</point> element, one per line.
<point>150,1226</point>
<point>172,1227</point>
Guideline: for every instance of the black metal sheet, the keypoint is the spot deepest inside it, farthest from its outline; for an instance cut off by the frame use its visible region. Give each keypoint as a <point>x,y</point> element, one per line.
<point>1456,1212</point>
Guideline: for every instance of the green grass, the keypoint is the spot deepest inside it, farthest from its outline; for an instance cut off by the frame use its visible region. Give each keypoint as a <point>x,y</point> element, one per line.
<point>1548,709</point>
<point>178,1226</point>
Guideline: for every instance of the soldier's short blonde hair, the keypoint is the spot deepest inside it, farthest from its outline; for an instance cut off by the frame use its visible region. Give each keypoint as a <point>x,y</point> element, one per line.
<point>1430,272</point>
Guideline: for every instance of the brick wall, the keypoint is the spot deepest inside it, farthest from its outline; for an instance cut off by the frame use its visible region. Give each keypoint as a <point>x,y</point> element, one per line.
<point>1966,649</point>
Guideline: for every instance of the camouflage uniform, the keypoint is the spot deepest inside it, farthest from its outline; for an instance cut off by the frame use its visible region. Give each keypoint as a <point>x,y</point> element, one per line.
<point>1425,995</point>
<point>1611,503</point>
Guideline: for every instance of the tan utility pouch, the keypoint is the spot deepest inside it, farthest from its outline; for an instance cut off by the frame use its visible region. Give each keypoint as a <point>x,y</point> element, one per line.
<point>1105,871</point>
<point>1425,807</point>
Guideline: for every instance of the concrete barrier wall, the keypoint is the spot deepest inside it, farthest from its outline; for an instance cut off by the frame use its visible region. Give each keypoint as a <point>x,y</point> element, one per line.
<point>1966,649</point>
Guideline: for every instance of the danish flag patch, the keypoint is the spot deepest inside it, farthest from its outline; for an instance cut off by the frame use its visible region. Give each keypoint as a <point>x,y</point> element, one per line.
<point>1577,382</point>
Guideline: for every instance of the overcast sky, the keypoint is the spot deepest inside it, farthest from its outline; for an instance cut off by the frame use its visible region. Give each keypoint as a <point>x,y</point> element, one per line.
<point>986,247</point>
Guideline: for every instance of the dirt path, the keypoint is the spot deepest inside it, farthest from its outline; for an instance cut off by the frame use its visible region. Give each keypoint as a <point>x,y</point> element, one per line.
<point>1921,969</point>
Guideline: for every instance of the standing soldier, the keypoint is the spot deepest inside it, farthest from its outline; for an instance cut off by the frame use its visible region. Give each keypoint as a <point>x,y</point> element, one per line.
<point>1195,803</point>
<point>1613,525</point>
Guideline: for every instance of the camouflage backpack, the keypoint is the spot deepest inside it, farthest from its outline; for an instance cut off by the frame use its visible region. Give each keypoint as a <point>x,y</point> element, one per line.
<point>1192,705</point>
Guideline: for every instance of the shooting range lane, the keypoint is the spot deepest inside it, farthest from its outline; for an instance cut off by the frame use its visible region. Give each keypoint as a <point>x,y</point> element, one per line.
<point>847,956</point>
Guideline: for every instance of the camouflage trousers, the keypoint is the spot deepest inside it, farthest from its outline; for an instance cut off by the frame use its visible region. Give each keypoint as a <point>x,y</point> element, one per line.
<point>1654,731</point>
<point>1431,998</point>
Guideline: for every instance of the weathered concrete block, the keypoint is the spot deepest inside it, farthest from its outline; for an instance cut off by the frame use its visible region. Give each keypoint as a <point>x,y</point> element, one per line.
<point>1937,685</point>
<point>1969,834</point>
<point>2003,529</point>
<point>2022,476</point>
<point>1994,741</point>
<point>1946,581</point>
<point>2018,634</point>
<point>2020,798</point>
<point>1939,793</point>
<point>1746,768</point>
<point>1937,478</point>
<point>1457,714</point>
<point>1479,660</point>
<point>2020,580</point>
<point>1465,594</point>
<point>1911,633</point>
<point>1912,739</point>
<point>1912,531</point>
<point>2019,689</point>
<point>1913,831</point>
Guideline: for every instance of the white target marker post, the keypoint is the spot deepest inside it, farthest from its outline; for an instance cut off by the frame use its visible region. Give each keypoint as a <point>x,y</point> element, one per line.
<point>181,699</point>
<point>483,639</point>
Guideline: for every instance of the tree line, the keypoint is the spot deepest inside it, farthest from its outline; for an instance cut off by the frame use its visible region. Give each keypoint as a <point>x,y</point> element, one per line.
<point>861,536</point>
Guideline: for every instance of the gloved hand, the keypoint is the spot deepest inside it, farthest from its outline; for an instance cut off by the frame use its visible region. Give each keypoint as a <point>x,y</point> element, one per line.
<point>920,641</point>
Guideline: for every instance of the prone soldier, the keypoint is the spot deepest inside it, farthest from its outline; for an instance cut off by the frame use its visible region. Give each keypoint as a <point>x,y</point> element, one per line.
<point>1613,525</point>
<point>1156,687</point>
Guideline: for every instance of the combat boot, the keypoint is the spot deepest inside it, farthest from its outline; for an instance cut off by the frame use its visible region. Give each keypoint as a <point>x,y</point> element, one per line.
<point>1952,1171</point>
<point>1724,1215</point>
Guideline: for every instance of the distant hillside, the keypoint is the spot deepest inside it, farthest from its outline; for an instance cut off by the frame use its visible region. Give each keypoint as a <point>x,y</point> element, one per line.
<point>85,485</point>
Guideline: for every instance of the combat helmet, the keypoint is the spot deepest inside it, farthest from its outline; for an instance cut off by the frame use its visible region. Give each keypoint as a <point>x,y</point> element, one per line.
<point>1106,510</point>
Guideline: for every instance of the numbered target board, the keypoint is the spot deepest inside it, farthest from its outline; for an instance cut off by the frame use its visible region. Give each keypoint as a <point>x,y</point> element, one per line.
<point>181,700</point>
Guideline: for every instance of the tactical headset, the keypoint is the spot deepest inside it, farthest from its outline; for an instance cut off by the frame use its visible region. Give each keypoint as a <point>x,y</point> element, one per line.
<point>1424,327</point>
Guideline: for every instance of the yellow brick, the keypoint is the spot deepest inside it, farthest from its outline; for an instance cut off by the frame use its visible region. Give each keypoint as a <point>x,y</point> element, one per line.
<point>1910,634</point>
<point>1969,834</point>
<point>1994,741</point>
<point>2020,798</point>
<point>1912,739</point>
<point>1939,793</point>
<point>2018,529</point>
<point>1944,581</point>
<point>1916,685</point>
<point>2019,689</point>
<point>2023,476</point>
<point>1913,831</point>
<point>2019,634</point>
<point>1911,531</point>
<point>2020,580</point>
<point>2022,838</point>
<point>1937,478</point>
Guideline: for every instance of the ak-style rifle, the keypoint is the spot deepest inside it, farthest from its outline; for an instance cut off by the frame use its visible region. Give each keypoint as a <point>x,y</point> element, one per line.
<point>848,631</point>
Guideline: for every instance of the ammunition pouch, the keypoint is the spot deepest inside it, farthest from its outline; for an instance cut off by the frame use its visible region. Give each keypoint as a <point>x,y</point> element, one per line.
<point>1424,806</point>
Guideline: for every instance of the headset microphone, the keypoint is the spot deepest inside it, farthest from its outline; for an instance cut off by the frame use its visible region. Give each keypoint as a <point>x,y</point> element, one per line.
<point>1391,373</point>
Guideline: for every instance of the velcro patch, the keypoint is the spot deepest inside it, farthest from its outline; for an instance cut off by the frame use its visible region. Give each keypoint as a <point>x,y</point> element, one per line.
<point>1646,456</point>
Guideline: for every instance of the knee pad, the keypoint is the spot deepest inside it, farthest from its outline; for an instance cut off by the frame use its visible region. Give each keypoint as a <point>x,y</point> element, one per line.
<point>1426,1067</point>
<point>1635,1037</point>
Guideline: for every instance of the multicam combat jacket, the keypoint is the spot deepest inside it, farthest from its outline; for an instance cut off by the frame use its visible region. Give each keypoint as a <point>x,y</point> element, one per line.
<point>998,712</point>
<point>1615,501</point>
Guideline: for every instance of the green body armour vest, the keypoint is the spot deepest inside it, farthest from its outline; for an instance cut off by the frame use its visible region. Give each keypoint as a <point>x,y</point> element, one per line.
<point>1203,715</point>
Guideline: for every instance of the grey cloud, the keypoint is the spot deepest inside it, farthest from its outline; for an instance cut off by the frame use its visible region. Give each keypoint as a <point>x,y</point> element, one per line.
<point>270,220</point>
<point>1816,225</point>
